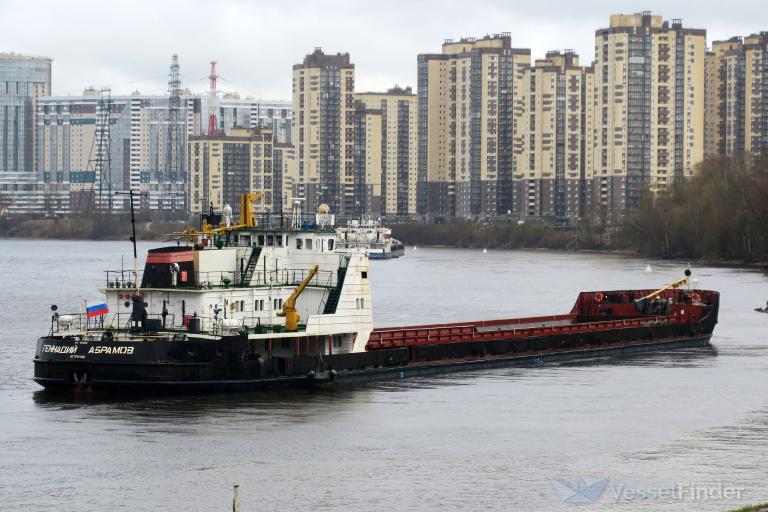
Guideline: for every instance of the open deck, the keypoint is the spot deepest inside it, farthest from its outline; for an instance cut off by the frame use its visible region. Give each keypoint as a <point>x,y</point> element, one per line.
<point>614,310</point>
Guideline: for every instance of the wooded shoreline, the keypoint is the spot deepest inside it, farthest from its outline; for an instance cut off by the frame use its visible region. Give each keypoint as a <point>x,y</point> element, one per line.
<point>718,216</point>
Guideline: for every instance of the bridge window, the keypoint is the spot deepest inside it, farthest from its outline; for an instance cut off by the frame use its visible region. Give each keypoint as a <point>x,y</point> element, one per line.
<point>299,243</point>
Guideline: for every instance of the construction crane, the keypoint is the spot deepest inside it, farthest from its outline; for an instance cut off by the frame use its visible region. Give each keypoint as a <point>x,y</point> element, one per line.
<point>213,125</point>
<point>289,306</point>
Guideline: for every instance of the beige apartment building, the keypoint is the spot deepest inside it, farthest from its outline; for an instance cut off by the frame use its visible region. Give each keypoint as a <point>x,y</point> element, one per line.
<point>322,132</point>
<point>737,97</point>
<point>367,156</point>
<point>223,167</point>
<point>649,112</point>
<point>549,181</point>
<point>470,138</point>
<point>394,167</point>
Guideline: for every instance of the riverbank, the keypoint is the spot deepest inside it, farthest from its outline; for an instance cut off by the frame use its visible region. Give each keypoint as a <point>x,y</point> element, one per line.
<point>459,235</point>
<point>537,236</point>
<point>494,236</point>
<point>753,508</point>
<point>87,228</point>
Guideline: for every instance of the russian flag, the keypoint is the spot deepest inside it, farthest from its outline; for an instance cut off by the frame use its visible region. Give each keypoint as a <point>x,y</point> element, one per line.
<point>96,309</point>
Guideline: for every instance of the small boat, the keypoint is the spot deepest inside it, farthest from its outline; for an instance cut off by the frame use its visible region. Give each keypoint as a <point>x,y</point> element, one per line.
<point>370,236</point>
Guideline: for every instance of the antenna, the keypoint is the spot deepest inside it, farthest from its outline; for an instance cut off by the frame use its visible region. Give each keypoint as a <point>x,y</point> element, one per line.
<point>213,125</point>
<point>103,147</point>
<point>174,155</point>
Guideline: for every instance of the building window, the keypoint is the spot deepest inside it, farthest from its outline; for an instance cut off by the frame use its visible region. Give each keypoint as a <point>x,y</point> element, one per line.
<point>299,243</point>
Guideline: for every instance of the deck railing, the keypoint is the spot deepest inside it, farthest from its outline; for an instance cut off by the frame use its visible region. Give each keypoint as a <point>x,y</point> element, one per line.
<point>124,279</point>
<point>117,323</point>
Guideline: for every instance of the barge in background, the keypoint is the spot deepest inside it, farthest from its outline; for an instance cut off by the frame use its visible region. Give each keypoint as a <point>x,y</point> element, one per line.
<point>252,307</point>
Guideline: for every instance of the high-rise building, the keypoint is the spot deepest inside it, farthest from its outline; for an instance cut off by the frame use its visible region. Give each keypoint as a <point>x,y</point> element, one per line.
<point>236,112</point>
<point>223,167</point>
<point>322,132</point>
<point>398,158</point>
<point>69,150</point>
<point>549,182</point>
<point>649,116</point>
<point>23,79</point>
<point>469,113</point>
<point>282,156</point>
<point>367,157</point>
<point>737,97</point>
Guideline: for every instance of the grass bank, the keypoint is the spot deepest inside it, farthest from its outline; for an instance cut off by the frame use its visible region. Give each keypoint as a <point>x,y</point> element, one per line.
<point>752,508</point>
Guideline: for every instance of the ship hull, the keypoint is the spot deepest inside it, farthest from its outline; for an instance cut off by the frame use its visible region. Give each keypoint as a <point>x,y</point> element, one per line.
<point>164,367</point>
<point>374,255</point>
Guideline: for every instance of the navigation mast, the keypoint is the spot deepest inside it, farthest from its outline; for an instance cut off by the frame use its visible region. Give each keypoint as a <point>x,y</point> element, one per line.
<point>131,194</point>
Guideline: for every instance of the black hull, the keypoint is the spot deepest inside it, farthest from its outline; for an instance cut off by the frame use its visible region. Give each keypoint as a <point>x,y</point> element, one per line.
<point>166,367</point>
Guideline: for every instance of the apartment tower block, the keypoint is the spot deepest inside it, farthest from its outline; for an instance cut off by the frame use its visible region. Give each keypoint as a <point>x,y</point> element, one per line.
<point>323,132</point>
<point>649,78</point>
<point>469,114</point>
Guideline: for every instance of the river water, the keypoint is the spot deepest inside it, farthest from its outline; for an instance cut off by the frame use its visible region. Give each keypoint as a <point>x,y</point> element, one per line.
<point>486,440</point>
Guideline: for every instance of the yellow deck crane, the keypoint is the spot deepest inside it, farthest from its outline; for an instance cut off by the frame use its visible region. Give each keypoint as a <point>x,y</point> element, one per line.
<point>289,306</point>
<point>675,284</point>
<point>642,303</point>
<point>247,220</point>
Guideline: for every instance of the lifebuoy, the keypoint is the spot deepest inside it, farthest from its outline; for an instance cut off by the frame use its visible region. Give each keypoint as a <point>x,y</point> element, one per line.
<point>599,297</point>
<point>696,297</point>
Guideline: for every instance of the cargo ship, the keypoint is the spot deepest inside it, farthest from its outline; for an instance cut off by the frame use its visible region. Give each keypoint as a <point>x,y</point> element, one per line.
<point>245,307</point>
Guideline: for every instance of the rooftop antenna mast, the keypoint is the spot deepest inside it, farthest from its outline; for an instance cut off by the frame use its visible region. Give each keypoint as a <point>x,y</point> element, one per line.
<point>174,154</point>
<point>213,125</point>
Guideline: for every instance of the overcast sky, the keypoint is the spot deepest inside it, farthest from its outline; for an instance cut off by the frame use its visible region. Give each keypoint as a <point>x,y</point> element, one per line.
<point>127,45</point>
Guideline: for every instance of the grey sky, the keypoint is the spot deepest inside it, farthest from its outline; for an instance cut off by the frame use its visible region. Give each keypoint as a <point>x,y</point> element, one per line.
<point>128,44</point>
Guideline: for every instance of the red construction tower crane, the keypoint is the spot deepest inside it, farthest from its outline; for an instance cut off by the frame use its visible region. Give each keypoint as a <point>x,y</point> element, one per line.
<point>213,125</point>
